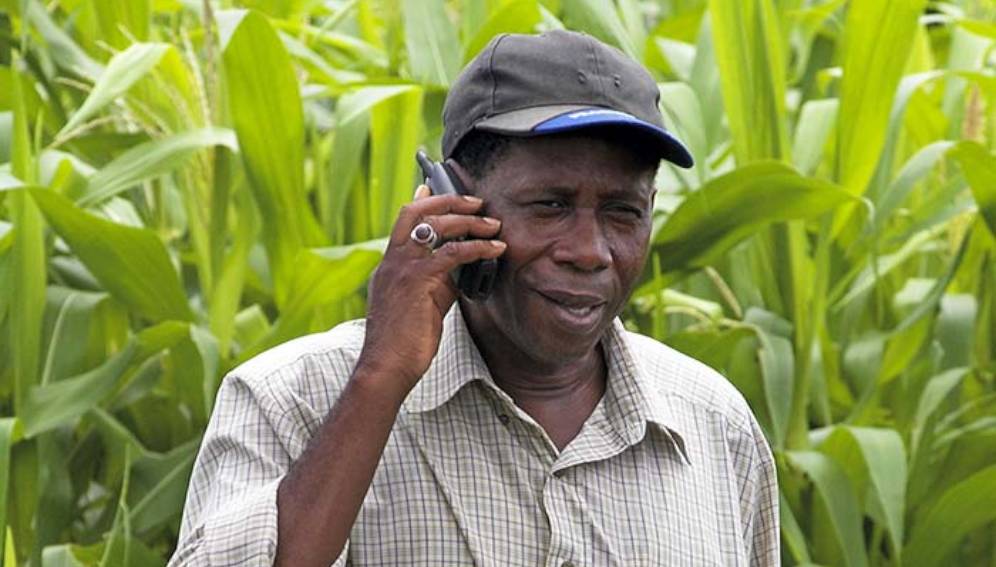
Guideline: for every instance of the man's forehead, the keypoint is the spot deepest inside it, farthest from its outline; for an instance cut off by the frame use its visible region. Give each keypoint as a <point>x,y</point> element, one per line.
<point>564,166</point>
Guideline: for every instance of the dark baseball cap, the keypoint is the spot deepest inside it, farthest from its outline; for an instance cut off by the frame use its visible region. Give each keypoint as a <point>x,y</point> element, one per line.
<point>558,81</point>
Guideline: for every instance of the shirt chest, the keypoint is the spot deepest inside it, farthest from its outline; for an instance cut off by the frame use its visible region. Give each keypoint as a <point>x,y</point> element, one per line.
<point>464,486</point>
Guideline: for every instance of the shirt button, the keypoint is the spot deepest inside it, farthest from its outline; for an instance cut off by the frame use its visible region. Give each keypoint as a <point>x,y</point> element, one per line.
<point>567,564</point>
<point>503,419</point>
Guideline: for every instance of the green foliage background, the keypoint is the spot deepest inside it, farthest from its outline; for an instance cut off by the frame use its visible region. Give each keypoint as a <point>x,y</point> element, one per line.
<point>186,183</point>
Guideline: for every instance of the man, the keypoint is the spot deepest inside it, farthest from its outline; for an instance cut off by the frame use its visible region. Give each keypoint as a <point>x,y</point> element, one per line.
<point>528,428</point>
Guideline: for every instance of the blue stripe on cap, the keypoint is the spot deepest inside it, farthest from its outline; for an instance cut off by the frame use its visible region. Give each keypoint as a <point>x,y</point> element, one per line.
<point>606,117</point>
<point>589,117</point>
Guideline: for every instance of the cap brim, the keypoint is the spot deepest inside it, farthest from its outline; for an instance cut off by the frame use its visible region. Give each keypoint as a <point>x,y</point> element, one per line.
<point>538,121</point>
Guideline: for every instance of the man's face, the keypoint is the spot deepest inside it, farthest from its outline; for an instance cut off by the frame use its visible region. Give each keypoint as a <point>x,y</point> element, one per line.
<point>576,214</point>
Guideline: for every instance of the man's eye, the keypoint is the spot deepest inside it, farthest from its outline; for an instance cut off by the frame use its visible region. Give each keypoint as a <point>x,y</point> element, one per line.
<point>626,210</point>
<point>549,204</point>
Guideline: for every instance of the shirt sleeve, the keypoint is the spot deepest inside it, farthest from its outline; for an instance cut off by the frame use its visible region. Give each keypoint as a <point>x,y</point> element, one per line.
<point>230,515</point>
<point>759,502</point>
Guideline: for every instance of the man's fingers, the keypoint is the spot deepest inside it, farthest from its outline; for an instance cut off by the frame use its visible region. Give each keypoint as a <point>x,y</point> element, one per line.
<point>429,206</point>
<point>450,227</point>
<point>457,252</point>
<point>424,206</point>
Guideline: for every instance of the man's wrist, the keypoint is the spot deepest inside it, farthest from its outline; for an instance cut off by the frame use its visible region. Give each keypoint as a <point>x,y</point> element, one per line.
<point>383,381</point>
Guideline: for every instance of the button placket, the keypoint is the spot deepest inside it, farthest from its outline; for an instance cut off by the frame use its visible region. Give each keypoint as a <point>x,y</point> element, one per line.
<point>557,505</point>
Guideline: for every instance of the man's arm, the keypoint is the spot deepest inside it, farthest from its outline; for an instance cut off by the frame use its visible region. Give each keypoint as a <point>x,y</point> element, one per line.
<point>762,504</point>
<point>304,517</point>
<point>320,497</point>
<point>409,295</point>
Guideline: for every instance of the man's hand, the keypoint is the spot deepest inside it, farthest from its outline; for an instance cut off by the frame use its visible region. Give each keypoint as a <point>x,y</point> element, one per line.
<point>412,290</point>
<point>319,498</point>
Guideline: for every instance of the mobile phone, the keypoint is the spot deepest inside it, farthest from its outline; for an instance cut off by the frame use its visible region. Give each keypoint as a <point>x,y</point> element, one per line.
<point>474,280</point>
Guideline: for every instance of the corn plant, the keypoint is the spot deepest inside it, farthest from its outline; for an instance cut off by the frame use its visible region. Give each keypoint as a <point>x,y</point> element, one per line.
<point>184,184</point>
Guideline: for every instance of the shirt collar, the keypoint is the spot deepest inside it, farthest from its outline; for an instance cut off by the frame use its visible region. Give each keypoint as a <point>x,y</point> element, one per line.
<point>457,363</point>
<point>630,402</point>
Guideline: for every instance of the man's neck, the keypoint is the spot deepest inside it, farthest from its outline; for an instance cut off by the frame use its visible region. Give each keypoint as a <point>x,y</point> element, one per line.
<point>560,395</point>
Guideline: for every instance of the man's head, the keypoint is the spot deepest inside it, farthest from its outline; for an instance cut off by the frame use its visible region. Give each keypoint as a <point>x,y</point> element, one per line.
<point>570,175</point>
<point>559,81</point>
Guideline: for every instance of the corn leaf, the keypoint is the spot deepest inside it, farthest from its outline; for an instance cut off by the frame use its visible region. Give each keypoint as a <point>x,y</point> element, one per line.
<point>121,21</point>
<point>151,159</point>
<point>124,70</point>
<point>431,42</point>
<point>158,482</point>
<point>777,362</point>
<point>968,505</point>
<point>515,16</point>
<point>816,121</point>
<point>265,103</point>
<point>878,39</point>
<point>750,52</point>
<point>875,461</point>
<point>26,272</point>
<point>10,433</point>
<point>395,131</point>
<point>734,206</point>
<point>52,405</point>
<point>837,494</point>
<point>322,277</point>
<point>131,263</point>
<point>601,19</point>
<point>979,166</point>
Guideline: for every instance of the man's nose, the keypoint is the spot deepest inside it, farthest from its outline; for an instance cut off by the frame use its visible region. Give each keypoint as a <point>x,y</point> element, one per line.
<point>584,246</point>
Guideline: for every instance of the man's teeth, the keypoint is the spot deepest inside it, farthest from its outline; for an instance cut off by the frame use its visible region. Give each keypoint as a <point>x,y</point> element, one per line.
<point>580,310</point>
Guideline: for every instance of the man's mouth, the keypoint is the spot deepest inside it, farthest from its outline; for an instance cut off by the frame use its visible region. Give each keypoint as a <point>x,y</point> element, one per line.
<point>577,310</point>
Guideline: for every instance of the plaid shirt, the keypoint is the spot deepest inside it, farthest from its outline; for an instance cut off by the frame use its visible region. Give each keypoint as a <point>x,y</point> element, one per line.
<point>670,469</point>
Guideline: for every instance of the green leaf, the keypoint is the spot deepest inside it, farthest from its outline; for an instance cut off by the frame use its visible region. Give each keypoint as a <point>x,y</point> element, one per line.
<point>265,103</point>
<point>967,506</point>
<point>515,16</point>
<point>65,52</point>
<point>119,21</point>
<point>601,19</point>
<point>117,551</point>
<point>683,116</point>
<point>228,288</point>
<point>980,169</point>
<point>357,102</point>
<point>816,120</point>
<point>26,271</point>
<point>792,535</point>
<point>131,263</point>
<point>323,276</point>
<point>937,389</point>
<point>161,481</point>
<point>67,555</point>
<point>912,172</point>
<point>980,28</point>
<point>431,42</point>
<point>52,405</point>
<point>881,456</point>
<point>395,133</point>
<point>933,297</point>
<point>151,159</point>
<point>879,267</point>
<point>777,361</point>
<point>734,206</point>
<point>10,433</point>
<point>878,38</point>
<point>838,497</point>
<point>750,52</point>
<point>123,71</point>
